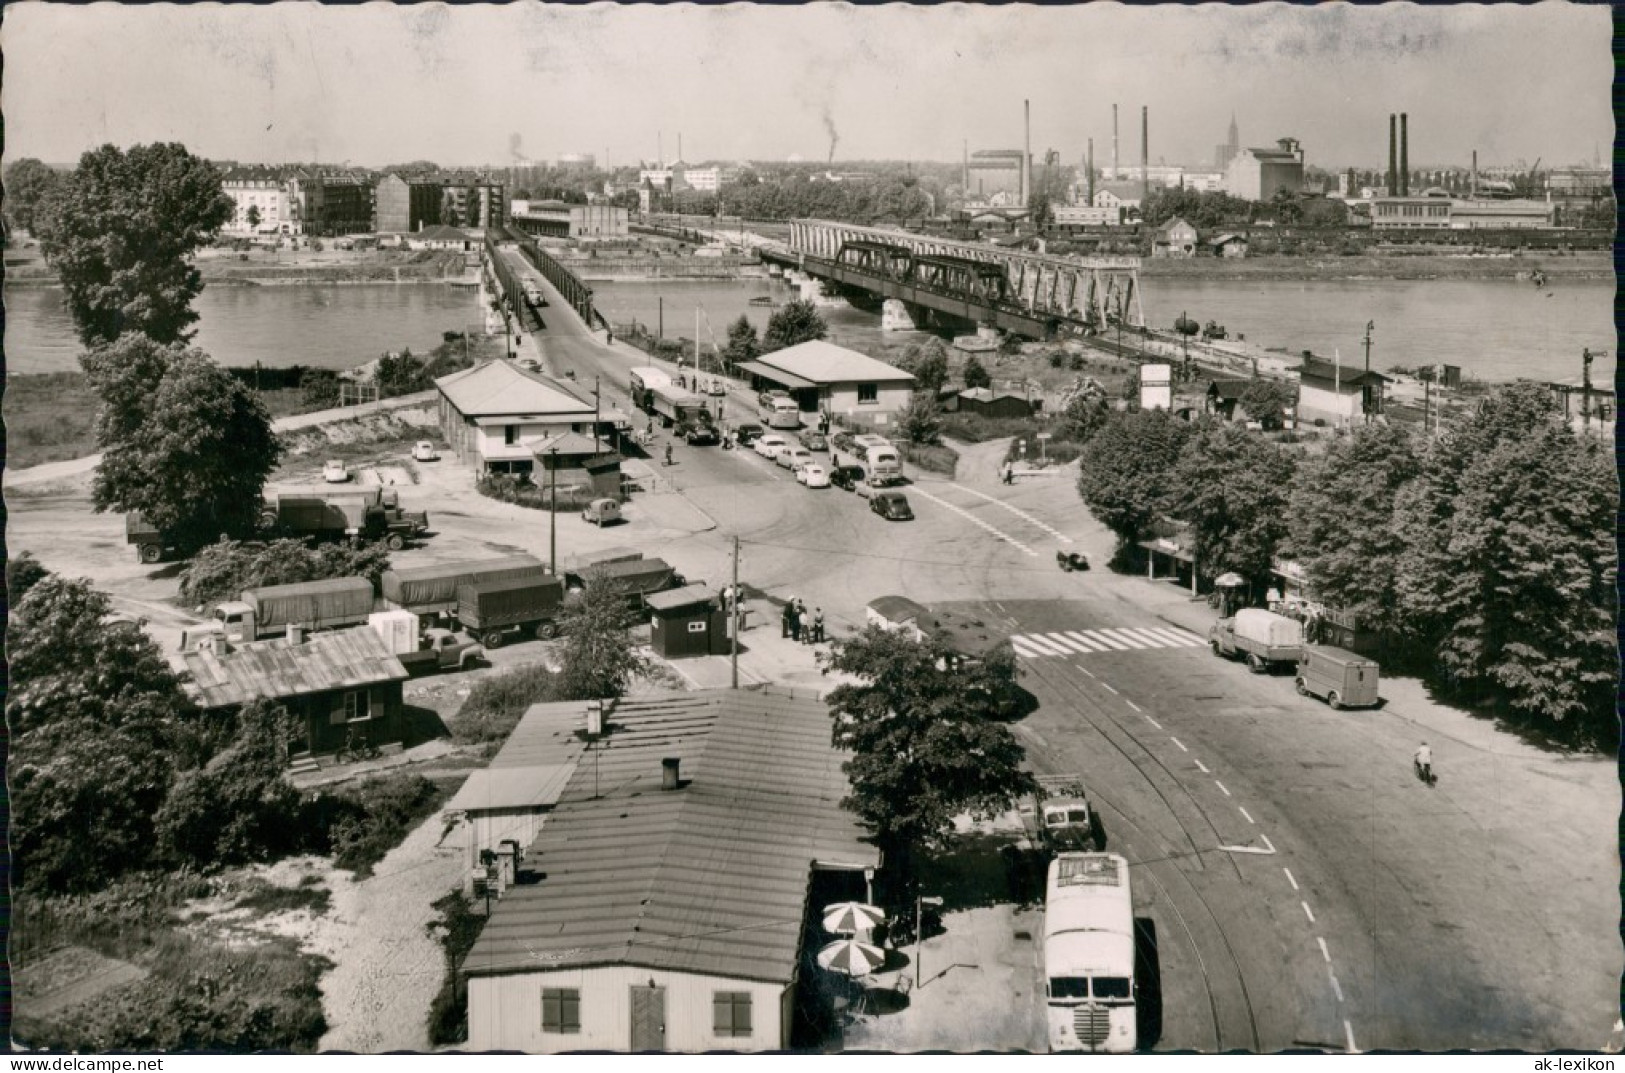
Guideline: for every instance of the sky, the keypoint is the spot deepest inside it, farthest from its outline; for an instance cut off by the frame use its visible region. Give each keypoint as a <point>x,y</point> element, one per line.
<point>376,84</point>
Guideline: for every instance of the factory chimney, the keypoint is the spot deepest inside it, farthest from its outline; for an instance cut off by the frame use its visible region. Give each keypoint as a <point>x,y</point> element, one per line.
<point>1404,158</point>
<point>1145,154</point>
<point>1116,175</point>
<point>679,145</point>
<point>964,171</point>
<point>1091,170</point>
<point>1027,153</point>
<point>1475,173</point>
<point>1393,156</point>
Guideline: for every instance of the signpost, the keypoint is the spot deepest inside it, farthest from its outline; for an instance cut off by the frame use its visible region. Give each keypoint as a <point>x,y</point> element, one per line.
<point>1043,448</point>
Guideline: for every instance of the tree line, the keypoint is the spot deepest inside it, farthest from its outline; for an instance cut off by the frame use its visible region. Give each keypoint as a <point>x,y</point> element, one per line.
<point>1483,557</point>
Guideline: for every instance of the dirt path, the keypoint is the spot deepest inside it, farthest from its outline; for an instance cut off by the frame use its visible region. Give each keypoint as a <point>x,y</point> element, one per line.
<point>386,968</point>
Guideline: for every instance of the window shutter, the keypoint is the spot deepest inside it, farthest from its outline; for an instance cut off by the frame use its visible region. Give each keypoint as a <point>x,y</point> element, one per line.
<point>742,1014</point>
<point>570,1012</point>
<point>722,1014</point>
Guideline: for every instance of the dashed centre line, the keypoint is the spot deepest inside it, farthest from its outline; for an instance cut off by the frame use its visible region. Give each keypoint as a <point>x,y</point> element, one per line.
<point>1108,688</point>
<point>974,520</point>
<point>1131,704</point>
<point>1325,953</point>
<point>1179,743</point>
<point>1289,878</point>
<point>1017,511</point>
<point>1308,912</point>
<point>1220,785</point>
<point>1246,815</point>
<point>1202,768</point>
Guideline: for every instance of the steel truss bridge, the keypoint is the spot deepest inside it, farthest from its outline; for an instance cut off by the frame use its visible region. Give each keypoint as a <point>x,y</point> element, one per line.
<point>1029,294</point>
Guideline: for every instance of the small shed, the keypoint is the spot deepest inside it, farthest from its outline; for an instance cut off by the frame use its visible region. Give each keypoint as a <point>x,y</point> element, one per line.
<point>1231,245</point>
<point>1176,238</point>
<point>987,403</point>
<point>896,613</point>
<point>687,622</point>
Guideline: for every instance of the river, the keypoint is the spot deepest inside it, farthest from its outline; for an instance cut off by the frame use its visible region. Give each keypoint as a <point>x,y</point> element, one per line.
<point>331,326</point>
<point>1492,329</point>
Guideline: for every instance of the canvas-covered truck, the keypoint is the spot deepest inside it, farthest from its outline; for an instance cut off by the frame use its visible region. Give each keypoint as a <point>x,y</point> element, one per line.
<point>1267,640</point>
<point>422,651</point>
<point>634,579</point>
<point>271,610</point>
<point>654,393</point>
<point>432,589</point>
<point>497,611</point>
<point>1057,817</point>
<point>367,513</point>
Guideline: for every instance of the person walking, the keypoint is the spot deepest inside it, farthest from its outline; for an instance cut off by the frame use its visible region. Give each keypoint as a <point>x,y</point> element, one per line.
<point>1009,473</point>
<point>818,625</point>
<point>1424,763</point>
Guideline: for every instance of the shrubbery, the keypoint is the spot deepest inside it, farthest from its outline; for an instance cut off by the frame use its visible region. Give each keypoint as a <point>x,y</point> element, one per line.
<point>521,492</point>
<point>457,928</point>
<point>222,571</point>
<point>370,818</point>
<point>496,702</point>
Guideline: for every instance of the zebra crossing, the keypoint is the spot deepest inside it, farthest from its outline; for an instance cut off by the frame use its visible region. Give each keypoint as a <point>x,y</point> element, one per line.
<point>1104,639</point>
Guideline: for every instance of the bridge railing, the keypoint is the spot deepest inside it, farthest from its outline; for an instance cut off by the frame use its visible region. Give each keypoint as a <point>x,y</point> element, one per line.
<point>567,283</point>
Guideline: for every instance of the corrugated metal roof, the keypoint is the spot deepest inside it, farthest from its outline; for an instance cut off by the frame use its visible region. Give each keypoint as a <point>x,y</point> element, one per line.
<point>500,387</point>
<point>897,608</point>
<point>825,363</point>
<point>709,878</point>
<point>683,597</point>
<point>529,786</point>
<point>334,659</point>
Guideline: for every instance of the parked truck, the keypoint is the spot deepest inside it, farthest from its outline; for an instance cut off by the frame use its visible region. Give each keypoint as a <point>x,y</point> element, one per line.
<point>1058,817</point>
<point>421,651</point>
<point>150,545</point>
<point>368,513</point>
<point>432,590</point>
<point>495,611</point>
<point>271,610</point>
<point>689,414</point>
<point>1341,678</point>
<point>1267,640</point>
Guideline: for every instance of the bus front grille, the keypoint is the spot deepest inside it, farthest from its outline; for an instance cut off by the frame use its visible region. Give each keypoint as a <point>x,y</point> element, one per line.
<point>1092,1024</point>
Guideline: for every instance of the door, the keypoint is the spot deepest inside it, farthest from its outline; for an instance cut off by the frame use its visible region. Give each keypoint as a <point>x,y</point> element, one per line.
<point>648,1019</point>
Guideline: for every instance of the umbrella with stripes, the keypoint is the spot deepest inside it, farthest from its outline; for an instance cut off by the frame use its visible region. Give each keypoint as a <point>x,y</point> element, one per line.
<point>849,918</point>
<point>851,957</point>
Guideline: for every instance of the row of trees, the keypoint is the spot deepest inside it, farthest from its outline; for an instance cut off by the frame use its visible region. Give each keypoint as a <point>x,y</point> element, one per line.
<point>792,323</point>
<point>893,196</point>
<point>1208,210</point>
<point>1486,553</point>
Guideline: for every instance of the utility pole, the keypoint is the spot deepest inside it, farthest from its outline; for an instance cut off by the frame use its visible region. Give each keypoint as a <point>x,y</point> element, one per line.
<point>596,406</point>
<point>553,511</point>
<point>1369,325</point>
<point>661,328</point>
<point>733,615</point>
<point>1585,390</point>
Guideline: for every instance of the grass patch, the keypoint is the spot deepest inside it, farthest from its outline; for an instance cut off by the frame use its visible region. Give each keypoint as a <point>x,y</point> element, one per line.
<point>496,702</point>
<point>456,927</point>
<point>309,895</point>
<point>934,458</point>
<point>974,428</point>
<point>373,816</point>
<point>49,417</point>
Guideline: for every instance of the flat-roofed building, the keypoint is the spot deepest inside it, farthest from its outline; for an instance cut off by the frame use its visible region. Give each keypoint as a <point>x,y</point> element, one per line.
<point>823,377</point>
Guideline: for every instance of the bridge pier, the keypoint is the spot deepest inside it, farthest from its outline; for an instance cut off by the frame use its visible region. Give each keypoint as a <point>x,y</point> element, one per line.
<point>896,316</point>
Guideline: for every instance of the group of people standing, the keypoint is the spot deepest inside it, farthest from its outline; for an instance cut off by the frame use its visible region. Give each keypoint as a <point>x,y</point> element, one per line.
<point>800,626</point>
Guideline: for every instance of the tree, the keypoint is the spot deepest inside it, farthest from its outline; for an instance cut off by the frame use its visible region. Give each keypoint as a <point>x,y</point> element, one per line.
<point>121,234</point>
<point>1342,524</point>
<point>222,570</point>
<point>1264,400</point>
<point>1231,486</point>
<point>253,217</point>
<point>975,375</point>
<point>597,660</point>
<point>924,745</point>
<point>794,322</point>
<point>921,420</point>
<point>743,344</point>
<point>1085,414</point>
<point>1124,472</point>
<point>182,441</point>
<point>931,368</point>
<point>30,186</point>
<point>23,572</point>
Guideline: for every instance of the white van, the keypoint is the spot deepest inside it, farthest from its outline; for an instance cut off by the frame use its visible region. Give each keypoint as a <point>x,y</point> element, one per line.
<point>883,463</point>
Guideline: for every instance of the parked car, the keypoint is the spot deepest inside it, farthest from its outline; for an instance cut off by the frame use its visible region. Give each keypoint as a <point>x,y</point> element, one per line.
<point>892,506</point>
<point>770,444</point>
<point>747,434</point>
<point>813,475</point>
<point>333,472</point>
<point>846,477</point>
<point>814,441</point>
<point>602,511</point>
<point>792,456</point>
<point>717,387</point>
<point>424,451</point>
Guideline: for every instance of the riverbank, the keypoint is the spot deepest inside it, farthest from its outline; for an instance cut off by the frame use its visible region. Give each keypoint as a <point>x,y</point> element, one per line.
<point>1585,264</point>
<point>26,268</point>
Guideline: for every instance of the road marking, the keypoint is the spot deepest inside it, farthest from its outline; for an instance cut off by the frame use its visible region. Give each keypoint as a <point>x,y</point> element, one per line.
<point>1246,815</point>
<point>1267,851</point>
<point>1179,743</point>
<point>1202,768</point>
<point>1105,638</point>
<point>1325,953</point>
<point>1289,878</point>
<point>1066,643</point>
<point>1184,640</point>
<point>1153,722</point>
<point>1047,647</point>
<point>1086,670</point>
<point>974,520</point>
<point>1348,1032</point>
<point>1129,638</point>
<point>1093,646</point>
<point>1267,843</point>
<point>1308,912</point>
<point>1336,987</point>
<point>1150,637</point>
<point>1220,785</point>
<point>1131,704</point>
<point>1108,688</point>
<point>1017,511</point>
<point>1023,648</point>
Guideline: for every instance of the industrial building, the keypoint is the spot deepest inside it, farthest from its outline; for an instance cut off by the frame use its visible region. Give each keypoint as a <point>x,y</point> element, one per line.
<point>992,171</point>
<point>557,219</point>
<point>406,204</point>
<point>1260,174</point>
<point>674,880</point>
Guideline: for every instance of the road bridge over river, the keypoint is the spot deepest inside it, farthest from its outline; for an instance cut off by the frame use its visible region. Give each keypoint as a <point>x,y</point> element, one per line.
<point>1036,295</point>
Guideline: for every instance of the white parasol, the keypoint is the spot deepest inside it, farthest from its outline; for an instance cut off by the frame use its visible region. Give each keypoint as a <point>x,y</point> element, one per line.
<point>849,918</point>
<point>851,957</point>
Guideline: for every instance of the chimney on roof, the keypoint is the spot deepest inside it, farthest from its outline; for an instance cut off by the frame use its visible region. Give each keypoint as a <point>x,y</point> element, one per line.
<point>1393,155</point>
<point>1404,157</point>
<point>595,719</point>
<point>296,634</point>
<point>669,772</point>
